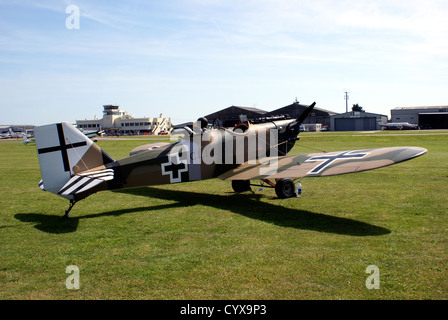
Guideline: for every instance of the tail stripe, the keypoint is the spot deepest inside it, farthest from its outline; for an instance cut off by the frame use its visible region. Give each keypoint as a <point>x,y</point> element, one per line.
<point>84,181</point>
<point>99,174</point>
<point>93,183</point>
<point>71,184</point>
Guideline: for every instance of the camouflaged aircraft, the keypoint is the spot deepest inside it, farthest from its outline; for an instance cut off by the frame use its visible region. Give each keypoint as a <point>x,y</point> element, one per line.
<point>74,167</point>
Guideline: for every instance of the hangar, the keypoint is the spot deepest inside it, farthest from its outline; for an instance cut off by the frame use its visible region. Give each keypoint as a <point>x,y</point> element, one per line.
<point>230,116</point>
<point>356,121</point>
<point>424,117</point>
<point>295,109</point>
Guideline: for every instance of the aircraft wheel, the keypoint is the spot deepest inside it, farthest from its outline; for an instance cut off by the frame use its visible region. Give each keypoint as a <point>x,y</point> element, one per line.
<point>241,185</point>
<point>285,188</point>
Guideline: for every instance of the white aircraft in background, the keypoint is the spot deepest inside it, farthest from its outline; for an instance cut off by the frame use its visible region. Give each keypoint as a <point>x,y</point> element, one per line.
<point>88,134</point>
<point>398,126</point>
<point>26,140</point>
<point>92,133</point>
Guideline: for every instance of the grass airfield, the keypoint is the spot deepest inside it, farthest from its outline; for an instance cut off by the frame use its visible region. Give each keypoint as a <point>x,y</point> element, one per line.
<point>202,241</point>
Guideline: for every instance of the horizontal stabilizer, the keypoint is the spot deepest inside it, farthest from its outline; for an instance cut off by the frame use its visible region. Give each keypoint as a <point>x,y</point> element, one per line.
<point>147,147</point>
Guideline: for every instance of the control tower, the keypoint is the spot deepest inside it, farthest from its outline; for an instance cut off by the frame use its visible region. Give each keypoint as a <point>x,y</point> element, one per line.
<point>111,113</point>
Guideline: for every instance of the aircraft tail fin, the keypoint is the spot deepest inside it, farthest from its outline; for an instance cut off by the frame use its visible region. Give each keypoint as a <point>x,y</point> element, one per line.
<point>65,152</point>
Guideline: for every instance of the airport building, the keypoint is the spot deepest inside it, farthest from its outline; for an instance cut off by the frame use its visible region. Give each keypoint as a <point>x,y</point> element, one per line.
<point>21,129</point>
<point>118,122</point>
<point>356,121</point>
<point>424,117</point>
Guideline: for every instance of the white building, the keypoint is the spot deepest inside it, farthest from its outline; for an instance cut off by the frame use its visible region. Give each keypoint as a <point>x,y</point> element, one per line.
<point>356,121</point>
<point>118,122</point>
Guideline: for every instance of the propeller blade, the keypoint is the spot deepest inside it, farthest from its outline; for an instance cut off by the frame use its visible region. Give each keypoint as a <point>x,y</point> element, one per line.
<point>294,127</point>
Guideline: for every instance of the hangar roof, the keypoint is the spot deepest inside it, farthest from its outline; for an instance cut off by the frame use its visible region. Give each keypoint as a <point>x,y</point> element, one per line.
<point>414,108</point>
<point>295,109</point>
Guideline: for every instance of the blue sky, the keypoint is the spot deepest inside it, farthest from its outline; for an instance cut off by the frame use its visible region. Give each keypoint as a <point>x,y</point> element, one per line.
<point>186,59</point>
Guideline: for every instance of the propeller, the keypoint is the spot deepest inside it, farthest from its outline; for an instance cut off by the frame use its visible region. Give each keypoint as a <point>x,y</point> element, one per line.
<point>289,137</point>
<point>293,128</point>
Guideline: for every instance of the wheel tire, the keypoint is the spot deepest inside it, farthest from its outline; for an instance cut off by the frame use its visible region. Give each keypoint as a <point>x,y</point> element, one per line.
<point>285,188</point>
<point>241,185</point>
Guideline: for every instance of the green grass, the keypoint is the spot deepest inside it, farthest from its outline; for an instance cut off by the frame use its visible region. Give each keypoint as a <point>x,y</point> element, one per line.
<point>201,241</point>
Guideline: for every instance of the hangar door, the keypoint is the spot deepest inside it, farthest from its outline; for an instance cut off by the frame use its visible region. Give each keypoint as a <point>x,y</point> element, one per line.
<point>437,120</point>
<point>355,124</point>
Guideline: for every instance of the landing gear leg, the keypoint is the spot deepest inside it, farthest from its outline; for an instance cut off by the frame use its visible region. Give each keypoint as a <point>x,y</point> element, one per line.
<point>67,212</point>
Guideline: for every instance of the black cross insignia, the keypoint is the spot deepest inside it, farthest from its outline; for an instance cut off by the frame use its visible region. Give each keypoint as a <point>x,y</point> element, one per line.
<point>62,147</point>
<point>330,159</point>
<point>174,168</point>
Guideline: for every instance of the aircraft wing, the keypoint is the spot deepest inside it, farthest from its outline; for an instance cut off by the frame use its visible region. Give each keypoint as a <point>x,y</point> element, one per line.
<point>322,164</point>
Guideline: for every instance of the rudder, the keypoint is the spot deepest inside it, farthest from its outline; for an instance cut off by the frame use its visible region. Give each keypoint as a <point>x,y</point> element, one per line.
<point>63,152</point>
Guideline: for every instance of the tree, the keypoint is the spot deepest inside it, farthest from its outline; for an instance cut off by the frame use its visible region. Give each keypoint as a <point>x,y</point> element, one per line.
<point>357,107</point>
